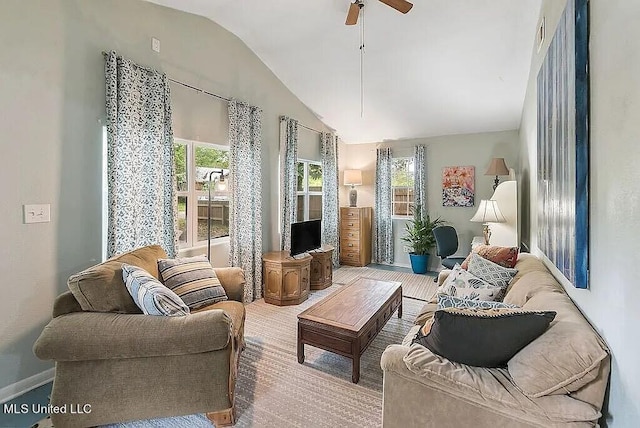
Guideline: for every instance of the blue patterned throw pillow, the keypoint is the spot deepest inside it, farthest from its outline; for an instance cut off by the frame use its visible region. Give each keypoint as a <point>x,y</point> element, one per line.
<point>150,295</point>
<point>193,279</point>
<point>445,301</point>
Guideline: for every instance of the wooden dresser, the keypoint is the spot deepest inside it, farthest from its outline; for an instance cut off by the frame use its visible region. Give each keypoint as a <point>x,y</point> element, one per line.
<point>355,236</point>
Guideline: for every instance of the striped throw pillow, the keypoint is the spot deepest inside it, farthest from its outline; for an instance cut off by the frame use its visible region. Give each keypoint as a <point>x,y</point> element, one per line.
<point>150,295</point>
<point>193,279</point>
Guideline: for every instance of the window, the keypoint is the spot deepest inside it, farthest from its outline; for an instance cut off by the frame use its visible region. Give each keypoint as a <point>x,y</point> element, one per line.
<point>402,186</point>
<point>309,189</point>
<point>196,162</point>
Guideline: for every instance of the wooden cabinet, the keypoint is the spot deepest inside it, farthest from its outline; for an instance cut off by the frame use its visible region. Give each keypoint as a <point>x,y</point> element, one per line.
<point>321,268</point>
<point>355,236</point>
<point>286,279</point>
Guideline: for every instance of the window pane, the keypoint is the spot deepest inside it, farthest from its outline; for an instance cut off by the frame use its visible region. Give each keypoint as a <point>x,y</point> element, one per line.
<point>300,211</point>
<point>180,159</point>
<point>315,207</point>
<point>182,219</point>
<point>219,218</point>
<point>300,185</point>
<point>400,208</point>
<point>315,178</point>
<point>208,159</point>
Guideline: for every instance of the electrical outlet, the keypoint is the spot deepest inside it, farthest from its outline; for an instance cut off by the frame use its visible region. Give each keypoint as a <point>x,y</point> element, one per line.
<point>155,44</point>
<point>37,213</point>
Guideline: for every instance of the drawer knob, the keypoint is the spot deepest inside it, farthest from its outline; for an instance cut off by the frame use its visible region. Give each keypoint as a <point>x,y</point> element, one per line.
<point>351,245</point>
<point>350,213</point>
<point>350,224</point>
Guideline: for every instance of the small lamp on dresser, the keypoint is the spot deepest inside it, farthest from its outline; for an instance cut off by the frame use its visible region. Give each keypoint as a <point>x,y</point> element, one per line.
<point>353,177</point>
<point>488,212</point>
<point>498,167</point>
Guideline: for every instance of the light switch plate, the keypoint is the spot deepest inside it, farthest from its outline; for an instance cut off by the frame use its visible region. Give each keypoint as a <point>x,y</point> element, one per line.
<point>37,213</point>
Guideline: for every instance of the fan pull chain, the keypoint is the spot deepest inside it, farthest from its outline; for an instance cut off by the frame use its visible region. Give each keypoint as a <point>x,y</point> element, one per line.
<point>361,61</point>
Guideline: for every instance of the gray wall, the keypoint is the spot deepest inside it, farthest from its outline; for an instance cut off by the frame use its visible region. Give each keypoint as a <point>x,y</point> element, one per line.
<point>611,301</point>
<point>52,86</point>
<point>449,150</point>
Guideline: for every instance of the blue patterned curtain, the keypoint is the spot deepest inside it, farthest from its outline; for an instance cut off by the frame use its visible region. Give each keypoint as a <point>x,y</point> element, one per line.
<point>382,223</point>
<point>141,186</point>
<point>288,178</point>
<point>330,204</point>
<point>245,217</point>
<point>420,181</point>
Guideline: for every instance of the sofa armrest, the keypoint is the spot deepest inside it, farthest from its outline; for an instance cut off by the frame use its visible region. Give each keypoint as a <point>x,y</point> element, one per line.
<point>233,282</point>
<point>85,336</point>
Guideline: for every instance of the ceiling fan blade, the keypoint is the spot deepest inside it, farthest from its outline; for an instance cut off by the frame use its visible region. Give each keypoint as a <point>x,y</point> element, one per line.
<point>399,5</point>
<point>352,15</point>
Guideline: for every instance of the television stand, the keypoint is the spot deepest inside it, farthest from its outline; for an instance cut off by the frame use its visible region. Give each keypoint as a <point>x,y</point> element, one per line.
<point>285,279</point>
<point>321,267</point>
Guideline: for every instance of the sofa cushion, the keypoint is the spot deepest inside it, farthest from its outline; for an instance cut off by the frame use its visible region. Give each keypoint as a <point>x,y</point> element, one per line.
<point>504,256</point>
<point>534,282</point>
<point>491,272</point>
<point>483,338</point>
<point>151,296</point>
<point>461,283</point>
<point>193,279</point>
<point>563,359</point>
<point>101,288</point>
<point>492,388</point>
<point>426,312</point>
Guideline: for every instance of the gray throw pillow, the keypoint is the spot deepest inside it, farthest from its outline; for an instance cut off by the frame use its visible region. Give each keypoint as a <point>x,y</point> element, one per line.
<point>491,272</point>
<point>193,279</point>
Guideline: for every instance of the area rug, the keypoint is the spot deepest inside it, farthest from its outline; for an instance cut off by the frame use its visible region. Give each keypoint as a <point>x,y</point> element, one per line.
<point>273,390</point>
<point>421,287</point>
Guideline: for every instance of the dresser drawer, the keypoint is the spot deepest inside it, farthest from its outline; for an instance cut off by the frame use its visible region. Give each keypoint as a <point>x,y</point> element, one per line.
<point>349,245</point>
<point>349,213</point>
<point>351,234</point>
<point>350,224</point>
<point>349,256</point>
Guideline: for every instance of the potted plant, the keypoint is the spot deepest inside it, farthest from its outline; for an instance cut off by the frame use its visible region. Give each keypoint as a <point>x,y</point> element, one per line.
<point>419,236</point>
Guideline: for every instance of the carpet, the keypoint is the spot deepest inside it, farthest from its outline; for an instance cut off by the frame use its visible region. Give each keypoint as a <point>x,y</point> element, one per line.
<point>273,390</point>
<point>421,287</point>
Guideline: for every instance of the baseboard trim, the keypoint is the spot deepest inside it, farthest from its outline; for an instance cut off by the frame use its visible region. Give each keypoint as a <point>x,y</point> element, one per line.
<point>25,385</point>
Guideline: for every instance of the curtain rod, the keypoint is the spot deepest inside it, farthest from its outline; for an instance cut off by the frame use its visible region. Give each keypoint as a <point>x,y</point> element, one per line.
<point>303,126</point>
<point>184,84</point>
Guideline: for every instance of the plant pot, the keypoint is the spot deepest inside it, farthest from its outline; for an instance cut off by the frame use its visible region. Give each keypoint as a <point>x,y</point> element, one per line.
<point>419,262</point>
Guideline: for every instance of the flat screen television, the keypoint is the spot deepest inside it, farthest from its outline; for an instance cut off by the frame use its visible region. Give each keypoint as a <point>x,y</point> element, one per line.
<point>305,236</point>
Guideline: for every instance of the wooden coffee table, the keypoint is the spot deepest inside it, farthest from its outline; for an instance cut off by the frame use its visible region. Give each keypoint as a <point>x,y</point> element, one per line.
<point>347,321</point>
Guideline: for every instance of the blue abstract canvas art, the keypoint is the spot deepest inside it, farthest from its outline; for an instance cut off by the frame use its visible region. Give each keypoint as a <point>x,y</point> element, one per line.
<point>563,147</point>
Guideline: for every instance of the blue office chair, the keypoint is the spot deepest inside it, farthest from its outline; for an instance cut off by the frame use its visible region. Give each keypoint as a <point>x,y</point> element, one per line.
<point>446,245</point>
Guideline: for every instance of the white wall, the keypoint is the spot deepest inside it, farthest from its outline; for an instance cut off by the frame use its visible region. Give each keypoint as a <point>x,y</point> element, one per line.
<point>450,150</point>
<point>611,302</point>
<point>52,98</point>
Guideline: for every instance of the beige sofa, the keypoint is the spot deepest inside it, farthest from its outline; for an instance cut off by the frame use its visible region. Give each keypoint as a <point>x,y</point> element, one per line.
<point>559,379</point>
<point>130,366</point>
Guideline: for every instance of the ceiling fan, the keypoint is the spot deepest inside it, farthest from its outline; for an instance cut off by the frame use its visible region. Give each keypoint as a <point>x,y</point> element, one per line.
<point>354,9</point>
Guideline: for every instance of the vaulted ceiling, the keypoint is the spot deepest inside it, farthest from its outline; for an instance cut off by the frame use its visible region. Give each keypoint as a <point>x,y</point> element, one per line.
<point>446,67</point>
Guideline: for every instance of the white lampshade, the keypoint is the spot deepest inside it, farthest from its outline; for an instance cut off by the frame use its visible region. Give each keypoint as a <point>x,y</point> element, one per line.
<point>488,212</point>
<point>352,177</point>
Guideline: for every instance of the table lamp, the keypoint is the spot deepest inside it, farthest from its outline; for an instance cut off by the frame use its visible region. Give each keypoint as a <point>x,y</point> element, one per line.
<point>497,167</point>
<point>353,177</point>
<point>488,212</point>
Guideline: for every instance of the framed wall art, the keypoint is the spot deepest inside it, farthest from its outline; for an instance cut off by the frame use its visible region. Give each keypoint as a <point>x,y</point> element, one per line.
<point>458,186</point>
<point>563,147</point>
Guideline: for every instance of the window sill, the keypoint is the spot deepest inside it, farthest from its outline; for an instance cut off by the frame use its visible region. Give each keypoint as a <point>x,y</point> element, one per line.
<point>401,217</point>
<point>203,246</point>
